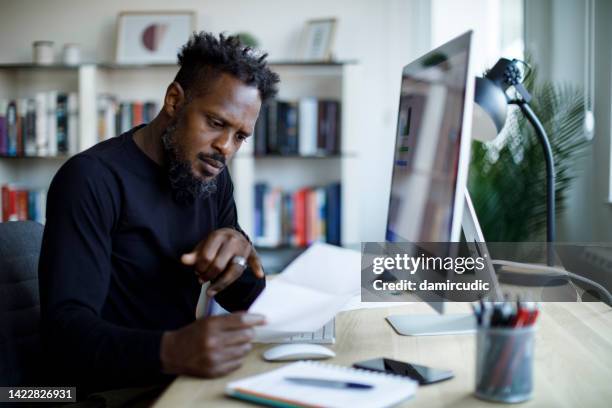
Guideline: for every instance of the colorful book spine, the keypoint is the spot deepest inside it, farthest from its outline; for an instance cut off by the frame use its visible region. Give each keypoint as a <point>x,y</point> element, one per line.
<point>20,204</point>
<point>11,129</point>
<point>297,218</point>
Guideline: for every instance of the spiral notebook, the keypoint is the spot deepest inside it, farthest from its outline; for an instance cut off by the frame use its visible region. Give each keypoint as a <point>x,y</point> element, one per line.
<point>272,388</point>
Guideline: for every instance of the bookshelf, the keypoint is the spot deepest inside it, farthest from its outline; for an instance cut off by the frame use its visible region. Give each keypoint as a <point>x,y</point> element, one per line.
<point>324,80</point>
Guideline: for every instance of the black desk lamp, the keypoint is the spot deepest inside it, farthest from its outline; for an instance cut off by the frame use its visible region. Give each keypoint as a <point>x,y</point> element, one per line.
<point>490,116</point>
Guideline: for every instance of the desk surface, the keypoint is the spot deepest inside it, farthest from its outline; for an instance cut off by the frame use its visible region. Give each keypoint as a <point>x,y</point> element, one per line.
<point>573,359</point>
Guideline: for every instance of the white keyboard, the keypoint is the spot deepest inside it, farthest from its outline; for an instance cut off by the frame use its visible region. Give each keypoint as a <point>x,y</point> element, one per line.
<point>325,335</point>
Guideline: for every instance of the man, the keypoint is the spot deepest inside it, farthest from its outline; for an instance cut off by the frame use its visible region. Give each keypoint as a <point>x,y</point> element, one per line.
<point>130,220</point>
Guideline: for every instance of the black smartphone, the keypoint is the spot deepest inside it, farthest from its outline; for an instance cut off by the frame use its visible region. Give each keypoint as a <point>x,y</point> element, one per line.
<point>424,375</point>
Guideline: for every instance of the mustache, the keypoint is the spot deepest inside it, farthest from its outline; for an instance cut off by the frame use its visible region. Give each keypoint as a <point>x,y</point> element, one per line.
<point>212,156</point>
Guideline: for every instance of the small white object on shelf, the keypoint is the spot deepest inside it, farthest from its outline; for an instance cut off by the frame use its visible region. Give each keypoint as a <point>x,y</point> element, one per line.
<point>43,52</point>
<point>71,54</point>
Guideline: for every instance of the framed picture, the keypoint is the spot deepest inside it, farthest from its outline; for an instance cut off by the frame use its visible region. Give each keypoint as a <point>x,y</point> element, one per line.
<point>317,40</point>
<point>152,37</point>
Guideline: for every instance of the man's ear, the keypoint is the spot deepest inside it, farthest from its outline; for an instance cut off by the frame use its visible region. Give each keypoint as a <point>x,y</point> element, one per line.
<point>174,99</point>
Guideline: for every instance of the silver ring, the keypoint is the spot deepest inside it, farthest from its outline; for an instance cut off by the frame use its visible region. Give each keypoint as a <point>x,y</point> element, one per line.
<point>240,261</point>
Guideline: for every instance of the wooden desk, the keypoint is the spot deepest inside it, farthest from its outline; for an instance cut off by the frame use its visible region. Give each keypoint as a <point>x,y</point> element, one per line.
<point>573,359</point>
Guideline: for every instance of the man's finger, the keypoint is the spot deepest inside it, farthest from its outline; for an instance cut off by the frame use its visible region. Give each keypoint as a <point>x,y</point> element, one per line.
<point>240,320</point>
<point>235,352</point>
<point>255,264</point>
<point>236,337</point>
<point>232,273</point>
<point>223,258</point>
<point>207,254</point>
<point>189,258</point>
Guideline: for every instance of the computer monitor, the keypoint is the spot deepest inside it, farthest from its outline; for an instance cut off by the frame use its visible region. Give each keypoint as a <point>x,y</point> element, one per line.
<point>430,165</point>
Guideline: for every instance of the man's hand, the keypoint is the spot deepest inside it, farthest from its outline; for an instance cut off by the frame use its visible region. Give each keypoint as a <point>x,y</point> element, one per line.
<point>209,347</point>
<point>212,259</point>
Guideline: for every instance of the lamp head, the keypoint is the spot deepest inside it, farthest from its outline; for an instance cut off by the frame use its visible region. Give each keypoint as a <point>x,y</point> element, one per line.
<point>491,99</point>
<point>490,110</point>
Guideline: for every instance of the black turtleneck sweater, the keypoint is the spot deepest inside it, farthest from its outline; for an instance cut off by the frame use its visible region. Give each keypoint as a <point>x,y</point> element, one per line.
<point>111,280</point>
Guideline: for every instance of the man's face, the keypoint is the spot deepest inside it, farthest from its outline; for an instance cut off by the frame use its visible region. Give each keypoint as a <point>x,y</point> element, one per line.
<point>206,134</point>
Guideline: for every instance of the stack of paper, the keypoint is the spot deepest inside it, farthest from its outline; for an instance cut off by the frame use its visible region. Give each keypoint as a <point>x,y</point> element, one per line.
<point>309,292</point>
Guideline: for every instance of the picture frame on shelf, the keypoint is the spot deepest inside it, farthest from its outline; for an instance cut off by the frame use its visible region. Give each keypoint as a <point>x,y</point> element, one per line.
<point>318,40</point>
<point>152,37</point>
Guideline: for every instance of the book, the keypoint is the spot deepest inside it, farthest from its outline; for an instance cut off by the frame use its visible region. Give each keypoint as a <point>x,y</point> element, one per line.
<point>273,389</point>
<point>333,214</point>
<point>137,113</point>
<point>287,127</point>
<point>328,133</point>
<point>73,123</point>
<point>260,192</point>
<point>52,123</point>
<point>300,218</point>
<point>22,108</point>
<point>42,140</point>
<point>29,128</point>
<point>149,111</point>
<point>125,117</point>
<point>3,128</point>
<point>11,129</point>
<point>61,114</point>
<point>307,126</point>
<point>107,113</point>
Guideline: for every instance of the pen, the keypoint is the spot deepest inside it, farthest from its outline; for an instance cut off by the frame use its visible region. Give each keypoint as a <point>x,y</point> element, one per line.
<point>207,300</point>
<point>317,382</point>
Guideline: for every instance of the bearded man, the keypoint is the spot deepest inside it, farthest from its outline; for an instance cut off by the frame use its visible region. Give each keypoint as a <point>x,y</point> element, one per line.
<point>137,223</point>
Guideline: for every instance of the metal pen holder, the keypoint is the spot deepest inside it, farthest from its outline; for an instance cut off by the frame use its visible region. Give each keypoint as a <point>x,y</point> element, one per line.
<point>504,364</point>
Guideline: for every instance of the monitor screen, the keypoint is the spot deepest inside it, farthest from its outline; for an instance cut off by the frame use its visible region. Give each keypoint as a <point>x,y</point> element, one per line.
<point>430,159</point>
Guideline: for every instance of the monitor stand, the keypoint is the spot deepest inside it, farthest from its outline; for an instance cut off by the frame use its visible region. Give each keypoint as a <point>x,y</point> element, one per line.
<point>432,325</point>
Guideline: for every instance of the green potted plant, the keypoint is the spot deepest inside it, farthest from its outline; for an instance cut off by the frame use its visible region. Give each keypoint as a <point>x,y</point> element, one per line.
<point>507,175</point>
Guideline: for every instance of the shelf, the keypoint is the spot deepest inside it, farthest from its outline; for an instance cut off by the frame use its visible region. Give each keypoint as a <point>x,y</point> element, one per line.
<point>32,66</point>
<point>113,65</point>
<point>288,63</point>
<point>302,157</point>
<point>281,63</point>
<point>57,157</point>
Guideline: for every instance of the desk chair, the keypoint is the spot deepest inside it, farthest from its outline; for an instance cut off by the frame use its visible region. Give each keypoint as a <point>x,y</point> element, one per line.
<point>20,244</point>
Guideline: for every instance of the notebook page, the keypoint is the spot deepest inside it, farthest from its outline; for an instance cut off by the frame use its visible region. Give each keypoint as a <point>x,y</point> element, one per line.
<point>388,389</point>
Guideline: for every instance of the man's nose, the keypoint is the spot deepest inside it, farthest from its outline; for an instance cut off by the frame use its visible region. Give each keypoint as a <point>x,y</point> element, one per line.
<point>223,144</point>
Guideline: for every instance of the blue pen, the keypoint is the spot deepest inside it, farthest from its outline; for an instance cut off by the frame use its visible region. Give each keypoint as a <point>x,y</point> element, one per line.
<point>318,382</point>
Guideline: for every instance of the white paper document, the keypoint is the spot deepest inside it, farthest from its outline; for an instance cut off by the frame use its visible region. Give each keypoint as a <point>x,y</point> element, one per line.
<point>309,292</point>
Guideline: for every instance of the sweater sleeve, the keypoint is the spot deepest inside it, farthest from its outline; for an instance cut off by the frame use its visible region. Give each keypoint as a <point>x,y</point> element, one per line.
<point>74,275</point>
<point>243,291</point>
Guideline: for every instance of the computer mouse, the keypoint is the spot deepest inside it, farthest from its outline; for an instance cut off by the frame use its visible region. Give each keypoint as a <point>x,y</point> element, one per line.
<point>297,351</point>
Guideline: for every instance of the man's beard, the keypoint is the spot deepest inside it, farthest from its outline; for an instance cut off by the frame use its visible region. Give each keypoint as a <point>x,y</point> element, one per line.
<point>186,187</point>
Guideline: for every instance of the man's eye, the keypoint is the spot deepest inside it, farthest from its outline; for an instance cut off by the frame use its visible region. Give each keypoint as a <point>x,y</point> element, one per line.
<point>242,138</point>
<point>215,123</point>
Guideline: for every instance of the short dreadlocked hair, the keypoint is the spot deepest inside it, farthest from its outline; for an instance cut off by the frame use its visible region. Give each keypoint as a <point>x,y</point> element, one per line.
<point>205,57</point>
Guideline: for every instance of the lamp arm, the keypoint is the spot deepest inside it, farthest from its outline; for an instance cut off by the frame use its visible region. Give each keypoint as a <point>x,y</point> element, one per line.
<point>550,173</point>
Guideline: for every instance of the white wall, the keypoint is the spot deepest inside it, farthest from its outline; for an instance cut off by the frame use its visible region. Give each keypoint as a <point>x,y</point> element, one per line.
<point>557,33</point>
<point>383,35</point>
